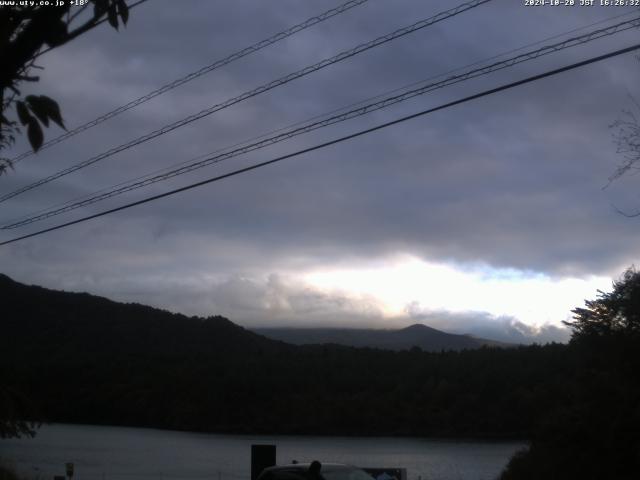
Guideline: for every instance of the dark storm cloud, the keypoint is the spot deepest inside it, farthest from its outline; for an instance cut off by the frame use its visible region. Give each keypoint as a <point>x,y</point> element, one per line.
<point>512,180</point>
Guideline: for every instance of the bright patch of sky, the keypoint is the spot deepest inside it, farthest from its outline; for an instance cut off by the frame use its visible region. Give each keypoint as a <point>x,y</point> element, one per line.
<point>408,284</point>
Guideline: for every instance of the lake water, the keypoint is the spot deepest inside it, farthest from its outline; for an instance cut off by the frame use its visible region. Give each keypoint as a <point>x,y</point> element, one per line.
<point>117,453</point>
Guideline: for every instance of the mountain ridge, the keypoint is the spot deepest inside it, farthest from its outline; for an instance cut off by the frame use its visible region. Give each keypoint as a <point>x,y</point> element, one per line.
<point>56,319</point>
<point>414,336</point>
<point>26,298</point>
<point>77,358</point>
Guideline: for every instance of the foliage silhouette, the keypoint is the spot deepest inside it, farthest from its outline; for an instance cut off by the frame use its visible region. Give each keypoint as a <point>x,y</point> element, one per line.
<point>26,32</point>
<point>612,314</point>
<point>594,432</point>
<point>17,414</point>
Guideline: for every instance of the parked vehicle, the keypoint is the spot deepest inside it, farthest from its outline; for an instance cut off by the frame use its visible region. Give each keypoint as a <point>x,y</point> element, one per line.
<point>314,471</point>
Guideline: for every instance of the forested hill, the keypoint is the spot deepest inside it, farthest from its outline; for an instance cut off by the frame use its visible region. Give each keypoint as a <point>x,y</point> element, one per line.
<point>77,358</point>
<point>421,336</point>
<point>86,359</point>
<point>54,321</point>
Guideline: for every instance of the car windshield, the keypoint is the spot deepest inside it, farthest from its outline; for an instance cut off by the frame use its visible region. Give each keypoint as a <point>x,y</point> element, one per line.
<point>344,473</point>
<point>327,473</point>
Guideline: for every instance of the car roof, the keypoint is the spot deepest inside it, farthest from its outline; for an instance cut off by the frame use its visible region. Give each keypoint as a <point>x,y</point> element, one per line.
<point>305,466</point>
<point>302,471</point>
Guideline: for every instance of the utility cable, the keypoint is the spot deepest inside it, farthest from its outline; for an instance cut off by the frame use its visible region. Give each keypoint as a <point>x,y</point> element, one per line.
<point>316,117</point>
<point>252,93</point>
<point>381,104</point>
<point>484,93</point>
<point>198,73</point>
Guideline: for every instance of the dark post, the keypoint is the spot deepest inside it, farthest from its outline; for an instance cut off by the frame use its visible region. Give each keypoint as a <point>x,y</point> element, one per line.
<point>262,456</point>
<point>69,468</point>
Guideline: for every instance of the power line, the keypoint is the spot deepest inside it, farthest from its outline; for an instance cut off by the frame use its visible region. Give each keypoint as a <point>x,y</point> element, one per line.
<point>315,117</point>
<point>252,93</point>
<point>335,141</point>
<point>381,104</point>
<point>198,73</point>
<point>148,180</point>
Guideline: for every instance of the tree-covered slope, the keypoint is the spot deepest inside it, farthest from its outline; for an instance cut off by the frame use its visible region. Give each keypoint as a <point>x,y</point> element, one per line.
<point>82,358</point>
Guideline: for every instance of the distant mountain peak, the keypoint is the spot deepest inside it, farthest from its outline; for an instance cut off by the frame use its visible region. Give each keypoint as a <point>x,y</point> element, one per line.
<point>415,326</point>
<point>418,327</point>
<point>416,335</point>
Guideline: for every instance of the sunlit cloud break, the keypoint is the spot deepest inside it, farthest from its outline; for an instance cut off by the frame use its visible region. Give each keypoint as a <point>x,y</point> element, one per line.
<point>408,285</point>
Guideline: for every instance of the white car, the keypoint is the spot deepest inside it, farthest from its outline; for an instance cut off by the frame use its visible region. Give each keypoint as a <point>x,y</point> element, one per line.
<point>314,471</point>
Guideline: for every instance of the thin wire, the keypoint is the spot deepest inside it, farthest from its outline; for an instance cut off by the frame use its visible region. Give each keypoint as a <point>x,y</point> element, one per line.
<point>252,93</point>
<point>384,103</point>
<point>315,117</point>
<point>198,73</point>
<point>335,141</point>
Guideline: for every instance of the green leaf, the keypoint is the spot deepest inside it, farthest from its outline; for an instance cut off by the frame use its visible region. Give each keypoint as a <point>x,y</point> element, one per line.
<point>55,33</point>
<point>123,10</point>
<point>48,106</point>
<point>5,164</point>
<point>38,109</point>
<point>23,113</point>
<point>99,8</point>
<point>35,135</point>
<point>112,16</point>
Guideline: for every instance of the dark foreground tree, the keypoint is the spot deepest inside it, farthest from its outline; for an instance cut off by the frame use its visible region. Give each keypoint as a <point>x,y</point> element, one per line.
<point>626,136</point>
<point>595,433</point>
<point>17,414</point>
<point>612,314</point>
<point>26,32</point>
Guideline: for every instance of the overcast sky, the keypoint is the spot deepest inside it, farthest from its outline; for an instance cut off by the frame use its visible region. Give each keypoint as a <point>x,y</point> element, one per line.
<point>486,218</point>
